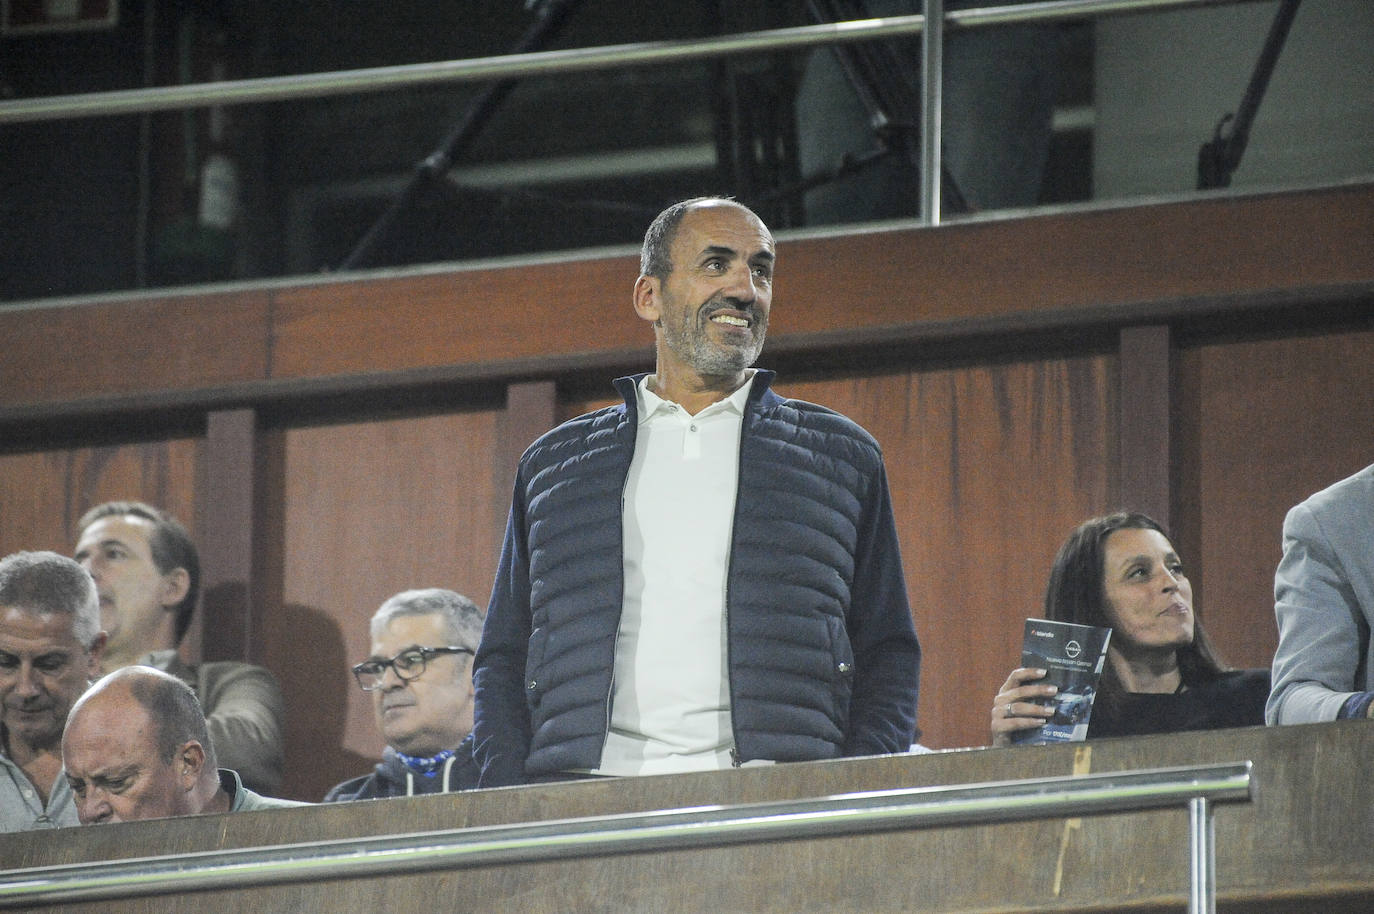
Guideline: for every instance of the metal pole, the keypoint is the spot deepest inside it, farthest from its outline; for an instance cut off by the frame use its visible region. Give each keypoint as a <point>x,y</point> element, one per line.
<point>1202,864</point>
<point>932,93</point>
<point>547,63</point>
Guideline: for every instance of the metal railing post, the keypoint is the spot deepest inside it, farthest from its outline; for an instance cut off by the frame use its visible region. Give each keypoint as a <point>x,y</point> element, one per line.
<point>1202,859</point>
<point>932,92</point>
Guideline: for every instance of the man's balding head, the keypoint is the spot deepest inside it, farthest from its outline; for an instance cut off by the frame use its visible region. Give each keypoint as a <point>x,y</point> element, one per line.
<point>136,747</point>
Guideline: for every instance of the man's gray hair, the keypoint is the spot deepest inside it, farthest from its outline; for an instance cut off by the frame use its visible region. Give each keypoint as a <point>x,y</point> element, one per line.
<point>173,708</point>
<point>462,620</point>
<point>656,253</point>
<point>48,584</point>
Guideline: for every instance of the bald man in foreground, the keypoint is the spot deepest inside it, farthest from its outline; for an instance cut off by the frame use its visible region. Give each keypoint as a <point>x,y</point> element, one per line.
<point>136,747</point>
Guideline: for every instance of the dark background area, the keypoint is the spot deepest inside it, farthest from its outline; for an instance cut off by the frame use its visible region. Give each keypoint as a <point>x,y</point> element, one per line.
<point>575,161</point>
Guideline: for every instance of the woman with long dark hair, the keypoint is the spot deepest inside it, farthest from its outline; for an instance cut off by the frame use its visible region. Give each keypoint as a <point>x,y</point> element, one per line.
<point>1121,572</point>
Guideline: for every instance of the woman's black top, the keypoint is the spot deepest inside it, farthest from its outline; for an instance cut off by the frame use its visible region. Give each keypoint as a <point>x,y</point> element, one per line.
<point>1235,699</point>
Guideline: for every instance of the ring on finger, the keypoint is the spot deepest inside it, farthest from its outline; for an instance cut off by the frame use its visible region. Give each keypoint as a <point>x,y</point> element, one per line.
<point>1009,712</point>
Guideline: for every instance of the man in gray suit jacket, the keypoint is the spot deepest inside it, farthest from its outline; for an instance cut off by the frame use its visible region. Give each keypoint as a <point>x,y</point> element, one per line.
<point>1324,602</point>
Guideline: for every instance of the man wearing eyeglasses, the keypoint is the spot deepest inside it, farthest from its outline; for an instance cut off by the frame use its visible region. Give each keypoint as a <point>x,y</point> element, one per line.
<point>420,678</point>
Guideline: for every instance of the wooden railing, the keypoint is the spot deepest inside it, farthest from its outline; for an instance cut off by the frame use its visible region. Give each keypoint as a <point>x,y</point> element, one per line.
<point>1300,845</point>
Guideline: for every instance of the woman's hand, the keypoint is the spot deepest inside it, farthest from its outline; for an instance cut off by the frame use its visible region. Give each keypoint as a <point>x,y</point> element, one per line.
<point>1018,705</point>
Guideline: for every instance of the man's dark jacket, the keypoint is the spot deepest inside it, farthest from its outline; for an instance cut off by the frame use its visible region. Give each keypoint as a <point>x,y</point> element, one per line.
<point>391,778</point>
<point>823,659</point>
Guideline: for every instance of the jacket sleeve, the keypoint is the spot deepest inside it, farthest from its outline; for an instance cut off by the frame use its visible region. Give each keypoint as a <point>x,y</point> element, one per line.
<point>887,655</point>
<point>244,711</point>
<point>1322,632</point>
<point>501,719</point>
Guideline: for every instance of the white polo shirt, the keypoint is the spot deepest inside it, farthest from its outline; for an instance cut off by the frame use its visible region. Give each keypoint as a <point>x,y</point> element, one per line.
<point>670,707</point>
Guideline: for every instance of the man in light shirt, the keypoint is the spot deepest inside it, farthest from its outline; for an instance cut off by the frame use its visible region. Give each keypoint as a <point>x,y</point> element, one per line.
<point>706,575</point>
<point>50,645</point>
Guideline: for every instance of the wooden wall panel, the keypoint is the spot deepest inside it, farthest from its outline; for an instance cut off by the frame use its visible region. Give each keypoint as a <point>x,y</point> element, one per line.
<point>1047,262</point>
<point>990,468</point>
<point>472,315</point>
<point>44,493</point>
<point>539,317</point>
<point>991,463</point>
<point>1277,420</point>
<point>133,346</point>
<point>370,509</point>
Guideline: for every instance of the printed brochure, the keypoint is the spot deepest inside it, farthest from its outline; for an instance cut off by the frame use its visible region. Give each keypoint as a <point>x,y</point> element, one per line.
<point>1072,656</point>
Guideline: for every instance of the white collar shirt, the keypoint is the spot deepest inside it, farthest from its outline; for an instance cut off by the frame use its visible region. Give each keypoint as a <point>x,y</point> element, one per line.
<point>670,706</point>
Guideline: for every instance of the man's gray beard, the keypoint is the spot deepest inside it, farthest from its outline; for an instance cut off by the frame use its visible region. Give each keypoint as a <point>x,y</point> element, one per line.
<point>708,360</point>
<point>712,360</point>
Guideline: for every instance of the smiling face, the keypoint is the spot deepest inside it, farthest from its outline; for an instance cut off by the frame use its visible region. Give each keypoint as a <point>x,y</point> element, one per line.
<point>113,766</point>
<point>433,712</point>
<point>137,600</point>
<point>1148,598</point>
<point>710,312</point>
<point>44,669</point>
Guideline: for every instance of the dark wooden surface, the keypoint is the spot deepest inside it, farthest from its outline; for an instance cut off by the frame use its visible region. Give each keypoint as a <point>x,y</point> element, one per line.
<point>370,509</point>
<point>43,493</point>
<point>130,347</point>
<point>1147,397</point>
<point>1301,845</point>
<point>1076,268</point>
<point>1272,421</point>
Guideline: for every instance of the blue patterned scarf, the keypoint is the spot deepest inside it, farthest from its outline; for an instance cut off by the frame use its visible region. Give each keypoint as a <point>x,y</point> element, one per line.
<point>429,767</point>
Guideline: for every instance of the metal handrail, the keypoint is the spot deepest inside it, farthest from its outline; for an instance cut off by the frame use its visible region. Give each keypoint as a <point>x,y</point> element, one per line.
<point>548,63</point>
<point>870,811</point>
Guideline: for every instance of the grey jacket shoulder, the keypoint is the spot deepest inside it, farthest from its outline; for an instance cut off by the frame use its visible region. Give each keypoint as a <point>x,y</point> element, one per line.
<point>1324,603</point>
<point>1342,509</point>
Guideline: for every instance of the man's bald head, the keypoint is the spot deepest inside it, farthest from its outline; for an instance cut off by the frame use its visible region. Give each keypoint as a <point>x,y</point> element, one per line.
<point>136,747</point>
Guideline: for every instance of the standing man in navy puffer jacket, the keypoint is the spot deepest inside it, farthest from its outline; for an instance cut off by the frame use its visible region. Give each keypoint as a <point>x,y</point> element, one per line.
<point>707,575</point>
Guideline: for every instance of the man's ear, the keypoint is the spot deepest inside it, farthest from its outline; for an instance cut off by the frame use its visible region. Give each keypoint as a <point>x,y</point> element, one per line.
<point>175,585</point>
<point>647,290</point>
<point>190,759</point>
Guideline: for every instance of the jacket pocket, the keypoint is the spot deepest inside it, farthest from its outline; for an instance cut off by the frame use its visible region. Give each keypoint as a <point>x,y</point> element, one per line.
<point>534,666</point>
<point>841,667</point>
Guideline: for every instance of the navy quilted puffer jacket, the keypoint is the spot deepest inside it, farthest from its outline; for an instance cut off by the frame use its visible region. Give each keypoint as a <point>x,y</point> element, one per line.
<point>823,656</point>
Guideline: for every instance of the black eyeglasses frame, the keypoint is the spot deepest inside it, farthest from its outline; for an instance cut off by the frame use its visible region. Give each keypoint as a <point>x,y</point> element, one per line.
<point>378,671</point>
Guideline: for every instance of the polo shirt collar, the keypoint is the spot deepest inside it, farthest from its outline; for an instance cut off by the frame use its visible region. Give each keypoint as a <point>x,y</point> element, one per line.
<point>651,403</point>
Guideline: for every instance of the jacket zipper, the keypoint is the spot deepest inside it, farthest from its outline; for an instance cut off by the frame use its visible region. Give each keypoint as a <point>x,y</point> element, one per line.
<point>633,412</point>
<point>736,759</point>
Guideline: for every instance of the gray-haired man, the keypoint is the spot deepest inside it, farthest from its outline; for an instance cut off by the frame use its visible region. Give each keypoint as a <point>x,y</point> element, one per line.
<point>50,645</point>
<point>419,675</point>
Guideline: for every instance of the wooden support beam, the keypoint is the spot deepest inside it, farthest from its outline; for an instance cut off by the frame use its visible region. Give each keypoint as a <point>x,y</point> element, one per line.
<point>531,410</point>
<point>226,535</point>
<point>1145,427</point>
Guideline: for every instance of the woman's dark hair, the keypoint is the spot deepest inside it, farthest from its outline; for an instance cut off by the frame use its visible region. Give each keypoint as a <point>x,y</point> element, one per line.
<point>1077,593</point>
